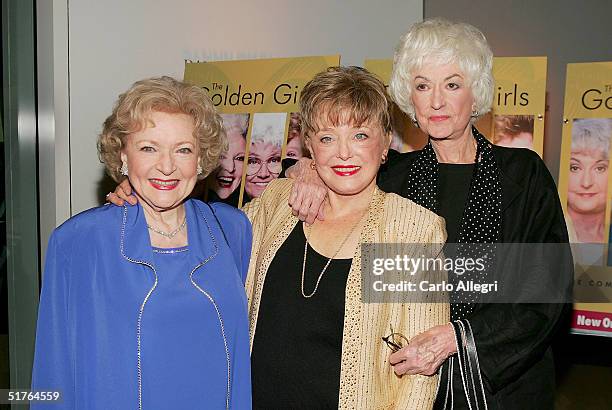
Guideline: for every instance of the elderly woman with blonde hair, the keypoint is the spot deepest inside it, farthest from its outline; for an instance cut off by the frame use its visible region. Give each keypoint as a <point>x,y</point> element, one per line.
<point>144,306</point>
<point>316,341</point>
<point>588,179</point>
<point>492,354</point>
<point>514,131</point>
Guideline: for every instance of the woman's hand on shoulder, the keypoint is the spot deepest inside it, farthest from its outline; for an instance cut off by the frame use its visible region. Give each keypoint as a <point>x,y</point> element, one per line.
<point>122,194</point>
<point>426,352</point>
<point>309,192</point>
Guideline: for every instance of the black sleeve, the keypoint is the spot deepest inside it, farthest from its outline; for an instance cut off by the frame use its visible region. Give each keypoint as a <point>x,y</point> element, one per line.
<point>392,175</point>
<point>287,163</point>
<point>510,338</point>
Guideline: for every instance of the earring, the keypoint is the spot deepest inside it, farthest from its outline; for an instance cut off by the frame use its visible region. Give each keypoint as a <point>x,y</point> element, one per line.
<point>384,159</point>
<point>313,165</point>
<point>124,169</point>
<point>199,169</point>
<point>474,113</point>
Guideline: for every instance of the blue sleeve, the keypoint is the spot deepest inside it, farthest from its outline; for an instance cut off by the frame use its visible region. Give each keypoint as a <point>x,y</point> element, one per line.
<point>246,240</point>
<point>53,358</point>
<point>238,232</point>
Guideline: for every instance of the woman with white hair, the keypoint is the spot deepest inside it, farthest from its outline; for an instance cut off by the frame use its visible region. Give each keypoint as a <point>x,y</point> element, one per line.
<point>499,355</point>
<point>588,178</point>
<point>264,163</point>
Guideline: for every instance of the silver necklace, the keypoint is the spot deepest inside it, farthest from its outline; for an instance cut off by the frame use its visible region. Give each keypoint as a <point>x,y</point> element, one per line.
<point>172,234</point>
<point>328,262</point>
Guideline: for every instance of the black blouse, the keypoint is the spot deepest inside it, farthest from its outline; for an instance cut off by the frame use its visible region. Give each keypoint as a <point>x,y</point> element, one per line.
<point>298,341</point>
<point>454,186</point>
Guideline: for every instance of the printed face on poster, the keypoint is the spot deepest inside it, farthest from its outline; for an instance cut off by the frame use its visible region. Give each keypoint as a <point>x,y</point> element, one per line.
<point>517,116</point>
<point>585,191</point>
<point>406,136</point>
<point>258,100</point>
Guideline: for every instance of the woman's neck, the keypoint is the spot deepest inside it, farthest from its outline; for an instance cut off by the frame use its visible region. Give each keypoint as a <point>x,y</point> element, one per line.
<point>170,222</point>
<point>338,235</point>
<point>167,218</point>
<point>340,206</point>
<point>588,227</point>
<point>461,150</point>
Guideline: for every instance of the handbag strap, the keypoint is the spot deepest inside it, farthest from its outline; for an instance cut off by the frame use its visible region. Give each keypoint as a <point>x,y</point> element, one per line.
<point>469,367</point>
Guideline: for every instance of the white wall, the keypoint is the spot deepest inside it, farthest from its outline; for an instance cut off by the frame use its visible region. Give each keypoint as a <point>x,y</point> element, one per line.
<point>113,43</point>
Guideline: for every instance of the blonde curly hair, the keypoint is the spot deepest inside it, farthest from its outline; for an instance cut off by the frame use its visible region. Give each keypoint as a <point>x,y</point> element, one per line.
<point>131,114</point>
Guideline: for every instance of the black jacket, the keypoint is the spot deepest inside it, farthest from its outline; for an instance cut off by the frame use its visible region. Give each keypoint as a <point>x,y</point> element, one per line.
<point>512,340</point>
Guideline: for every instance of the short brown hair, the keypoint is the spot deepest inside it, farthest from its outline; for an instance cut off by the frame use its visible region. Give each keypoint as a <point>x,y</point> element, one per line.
<point>132,109</point>
<point>339,94</point>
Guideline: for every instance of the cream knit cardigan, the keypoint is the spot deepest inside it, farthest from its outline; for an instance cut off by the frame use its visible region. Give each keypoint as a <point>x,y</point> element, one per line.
<point>367,381</point>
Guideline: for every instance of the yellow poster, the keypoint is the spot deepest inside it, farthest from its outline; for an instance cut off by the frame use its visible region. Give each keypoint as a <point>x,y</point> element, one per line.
<point>406,136</point>
<point>258,100</point>
<point>517,117</point>
<point>585,191</point>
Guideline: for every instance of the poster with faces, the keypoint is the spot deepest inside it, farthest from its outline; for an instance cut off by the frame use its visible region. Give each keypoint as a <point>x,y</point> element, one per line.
<point>585,191</point>
<point>406,136</point>
<point>265,146</point>
<point>258,101</point>
<point>517,116</point>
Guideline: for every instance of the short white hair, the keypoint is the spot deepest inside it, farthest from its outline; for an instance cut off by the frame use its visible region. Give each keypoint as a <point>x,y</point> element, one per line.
<point>236,122</point>
<point>269,128</point>
<point>592,134</point>
<point>444,42</point>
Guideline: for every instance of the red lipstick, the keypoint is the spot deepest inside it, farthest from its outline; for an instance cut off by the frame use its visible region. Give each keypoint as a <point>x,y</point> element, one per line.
<point>164,184</point>
<point>346,170</point>
<point>225,182</point>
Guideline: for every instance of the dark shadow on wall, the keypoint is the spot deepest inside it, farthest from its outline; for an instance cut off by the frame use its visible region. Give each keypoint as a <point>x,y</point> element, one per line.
<point>583,372</point>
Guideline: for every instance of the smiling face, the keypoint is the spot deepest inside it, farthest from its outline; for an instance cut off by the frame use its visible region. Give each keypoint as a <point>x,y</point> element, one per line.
<point>162,160</point>
<point>263,166</point>
<point>588,182</point>
<point>348,157</point>
<point>443,101</point>
<point>229,175</point>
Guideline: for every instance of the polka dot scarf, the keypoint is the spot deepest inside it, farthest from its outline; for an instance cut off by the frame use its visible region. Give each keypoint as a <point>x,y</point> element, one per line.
<point>481,221</point>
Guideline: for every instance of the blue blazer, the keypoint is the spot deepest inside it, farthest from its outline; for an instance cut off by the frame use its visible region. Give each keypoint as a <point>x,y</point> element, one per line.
<point>99,274</point>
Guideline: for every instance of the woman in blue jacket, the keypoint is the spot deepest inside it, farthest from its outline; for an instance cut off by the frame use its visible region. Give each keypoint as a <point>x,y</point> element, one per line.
<point>144,307</point>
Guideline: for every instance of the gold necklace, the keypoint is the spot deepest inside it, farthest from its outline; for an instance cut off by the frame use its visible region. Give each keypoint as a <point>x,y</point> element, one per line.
<point>328,262</point>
